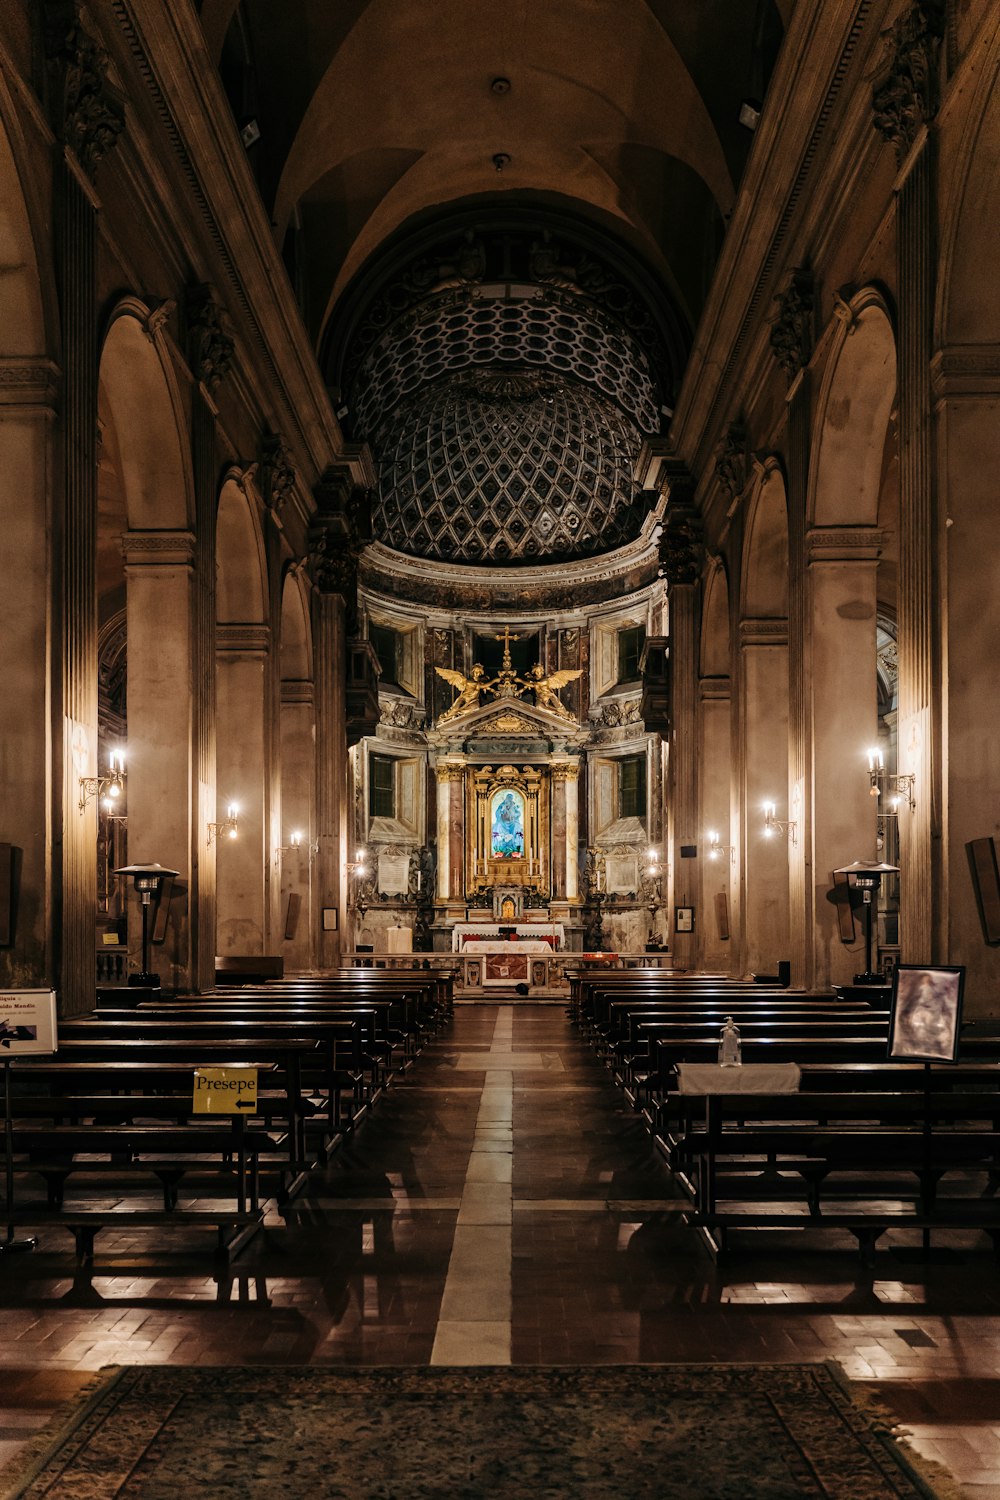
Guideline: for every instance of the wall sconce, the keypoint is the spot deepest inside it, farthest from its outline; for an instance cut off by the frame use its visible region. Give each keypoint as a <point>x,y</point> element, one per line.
<point>297,843</point>
<point>109,788</point>
<point>900,785</point>
<point>867,877</point>
<point>147,880</point>
<point>230,827</point>
<point>716,849</point>
<point>773,825</point>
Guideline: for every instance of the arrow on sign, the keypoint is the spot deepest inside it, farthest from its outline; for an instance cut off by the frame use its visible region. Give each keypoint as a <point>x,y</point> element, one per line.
<point>244,1104</point>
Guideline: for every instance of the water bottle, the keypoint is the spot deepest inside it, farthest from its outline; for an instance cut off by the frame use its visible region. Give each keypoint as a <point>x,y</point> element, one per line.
<point>730,1051</point>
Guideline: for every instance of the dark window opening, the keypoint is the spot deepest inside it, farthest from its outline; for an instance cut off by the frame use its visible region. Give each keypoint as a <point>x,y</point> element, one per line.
<point>387,647</point>
<point>632,787</point>
<point>381,786</point>
<point>630,644</point>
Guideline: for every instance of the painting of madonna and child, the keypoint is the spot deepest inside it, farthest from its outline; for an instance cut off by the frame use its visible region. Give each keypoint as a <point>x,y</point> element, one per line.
<point>926,1013</point>
<point>507,826</point>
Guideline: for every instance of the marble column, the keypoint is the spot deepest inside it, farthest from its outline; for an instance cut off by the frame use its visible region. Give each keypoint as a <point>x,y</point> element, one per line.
<point>75,841</point>
<point>456,835</point>
<point>805,878</point>
<point>242,863</point>
<point>682,805</point>
<point>298,778</point>
<point>162,791</point>
<point>764,739</point>
<point>571,783</point>
<point>843,724</point>
<point>330,659</point>
<point>715,945</point>
<point>442,776</point>
<point>558,783</point>
<point>920,749</point>
<point>30,798</point>
<point>203,867</point>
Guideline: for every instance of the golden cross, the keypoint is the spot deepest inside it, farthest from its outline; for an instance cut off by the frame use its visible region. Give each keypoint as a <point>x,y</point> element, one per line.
<point>506,638</point>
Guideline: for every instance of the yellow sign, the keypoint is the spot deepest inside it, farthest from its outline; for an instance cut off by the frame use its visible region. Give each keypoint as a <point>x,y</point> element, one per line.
<point>225,1091</point>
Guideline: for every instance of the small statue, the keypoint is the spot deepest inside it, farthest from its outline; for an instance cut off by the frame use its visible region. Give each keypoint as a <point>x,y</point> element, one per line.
<point>469,689</point>
<point>545,688</point>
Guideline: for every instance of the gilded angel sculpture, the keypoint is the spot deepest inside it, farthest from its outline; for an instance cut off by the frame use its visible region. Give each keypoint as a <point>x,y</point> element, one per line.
<point>546,688</point>
<point>469,689</point>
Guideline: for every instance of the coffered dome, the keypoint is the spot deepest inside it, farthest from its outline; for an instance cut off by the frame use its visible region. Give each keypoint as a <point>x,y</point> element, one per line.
<point>507,467</point>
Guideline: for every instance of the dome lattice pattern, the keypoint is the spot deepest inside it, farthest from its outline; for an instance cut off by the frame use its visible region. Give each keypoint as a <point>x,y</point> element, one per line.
<point>498,467</point>
<point>535,331</point>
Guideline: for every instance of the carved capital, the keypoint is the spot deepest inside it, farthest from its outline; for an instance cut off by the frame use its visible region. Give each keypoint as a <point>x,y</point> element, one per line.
<point>793,328</point>
<point>158,549</point>
<point>565,771</point>
<point>277,476</point>
<point>447,771</point>
<point>89,113</point>
<point>907,92</point>
<point>243,639</point>
<point>732,467</point>
<point>340,529</point>
<point>681,550</point>
<point>210,345</point>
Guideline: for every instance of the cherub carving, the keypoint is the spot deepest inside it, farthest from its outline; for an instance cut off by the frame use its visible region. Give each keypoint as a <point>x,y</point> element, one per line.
<point>545,688</point>
<point>469,689</point>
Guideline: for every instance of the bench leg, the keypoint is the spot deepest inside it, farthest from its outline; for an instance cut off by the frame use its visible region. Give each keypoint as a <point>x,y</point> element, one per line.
<point>170,1181</point>
<point>84,1236</point>
<point>55,1185</point>
<point>867,1235</point>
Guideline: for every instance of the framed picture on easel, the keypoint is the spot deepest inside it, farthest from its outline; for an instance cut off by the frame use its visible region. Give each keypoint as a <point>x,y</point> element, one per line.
<point>926,1012</point>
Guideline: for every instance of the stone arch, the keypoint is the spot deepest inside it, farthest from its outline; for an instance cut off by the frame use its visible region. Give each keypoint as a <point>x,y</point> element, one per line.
<point>241,570</point>
<point>140,392</point>
<point>968,309</point>
<point>715,634</point>
<point>856,400</point>
<point>765,553</point>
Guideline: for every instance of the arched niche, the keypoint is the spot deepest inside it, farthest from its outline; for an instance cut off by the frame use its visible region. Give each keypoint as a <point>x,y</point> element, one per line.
<point>241,589</point>
<point>140,398</point>
<point>715,625</point>
<point>969,305</point>
<point>855,405</point>
<point>296,635</point>
<point>22,315</point>
<point>765,557</point>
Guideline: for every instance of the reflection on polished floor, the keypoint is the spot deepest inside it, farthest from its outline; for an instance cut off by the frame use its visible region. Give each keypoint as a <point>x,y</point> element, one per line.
<point>503,1205</point>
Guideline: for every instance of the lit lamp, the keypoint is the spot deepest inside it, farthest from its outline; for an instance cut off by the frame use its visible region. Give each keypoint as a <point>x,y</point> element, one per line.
<point>866,876</point>
<point>109,787</point>
<point>230,827</point>
<point>773,825</point>
<point>716,849</point>
<point>358,867</point>
<point>147,880</point>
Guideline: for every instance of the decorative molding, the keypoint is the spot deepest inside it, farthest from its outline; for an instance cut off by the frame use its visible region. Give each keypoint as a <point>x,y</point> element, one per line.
<point>298,690</point>
<point>831,543</point>
<point>446,771</point>
<point>399,714</point>
<point>210,342</point>
<point>907,91</point>
<point>763,632</point>
<point>249,638</point>
<point>89,111</point>
<point>509,723</point>
<point>732,467</point>
<point>27,382</point>
<point>158,548</point>
<point>615,714</point>
<point>681,547</point>
<point>967,370</point>
<point>565,770</point>
<point>277,475</point>
<point>792,332</point>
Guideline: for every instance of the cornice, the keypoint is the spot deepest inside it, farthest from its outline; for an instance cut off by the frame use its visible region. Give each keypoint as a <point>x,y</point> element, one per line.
<point>29,383</point>
<point>846,543</point>
<point>159,549</point>
<point>966,371</point>
<point>763,632</point>
<point>243,639</point>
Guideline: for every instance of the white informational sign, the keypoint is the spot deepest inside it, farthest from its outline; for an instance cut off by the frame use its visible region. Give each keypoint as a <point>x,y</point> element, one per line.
<point>27,1022</point>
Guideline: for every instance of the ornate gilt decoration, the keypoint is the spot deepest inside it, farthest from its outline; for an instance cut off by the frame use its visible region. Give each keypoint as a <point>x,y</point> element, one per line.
<point>507,684</point>
<point>907,94</point>
<point>511,723</point>
<point>792,330</point>
<point>732,467</point>
<point>90,112</point>
<point>210,345</point>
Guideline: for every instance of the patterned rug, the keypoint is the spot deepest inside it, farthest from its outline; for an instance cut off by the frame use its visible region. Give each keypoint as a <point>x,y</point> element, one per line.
<point>674,1432</point>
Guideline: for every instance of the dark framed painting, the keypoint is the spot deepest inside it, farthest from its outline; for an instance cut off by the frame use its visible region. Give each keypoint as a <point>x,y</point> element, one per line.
<point>684,919</point>
<point>926,1012</point>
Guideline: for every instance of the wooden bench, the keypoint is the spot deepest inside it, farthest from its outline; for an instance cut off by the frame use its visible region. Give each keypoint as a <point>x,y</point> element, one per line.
<point>242,968</point>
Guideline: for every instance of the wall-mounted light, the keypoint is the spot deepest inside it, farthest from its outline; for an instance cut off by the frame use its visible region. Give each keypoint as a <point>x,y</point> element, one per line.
<point>773,824</point>
<point>716,849</point>
<point>230,827</point>
<point>297,844</point>
<point>109,788</point>
<point>880,782</point>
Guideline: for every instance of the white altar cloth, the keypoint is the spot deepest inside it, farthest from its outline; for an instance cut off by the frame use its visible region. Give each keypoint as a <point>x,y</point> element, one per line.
<point>498,945</point>
<point>748,1078</point>
<point>535,930</point>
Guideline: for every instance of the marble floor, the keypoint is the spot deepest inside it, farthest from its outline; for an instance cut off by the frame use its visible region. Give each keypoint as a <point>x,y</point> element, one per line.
<point>504,1205</point>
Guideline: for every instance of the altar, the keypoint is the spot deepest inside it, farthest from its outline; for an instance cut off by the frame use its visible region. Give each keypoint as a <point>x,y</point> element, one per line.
<point>550,934</point>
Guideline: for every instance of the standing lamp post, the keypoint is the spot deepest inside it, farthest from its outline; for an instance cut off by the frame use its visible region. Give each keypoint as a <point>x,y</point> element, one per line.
<point>866,875</point>
<point>147,880</point>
